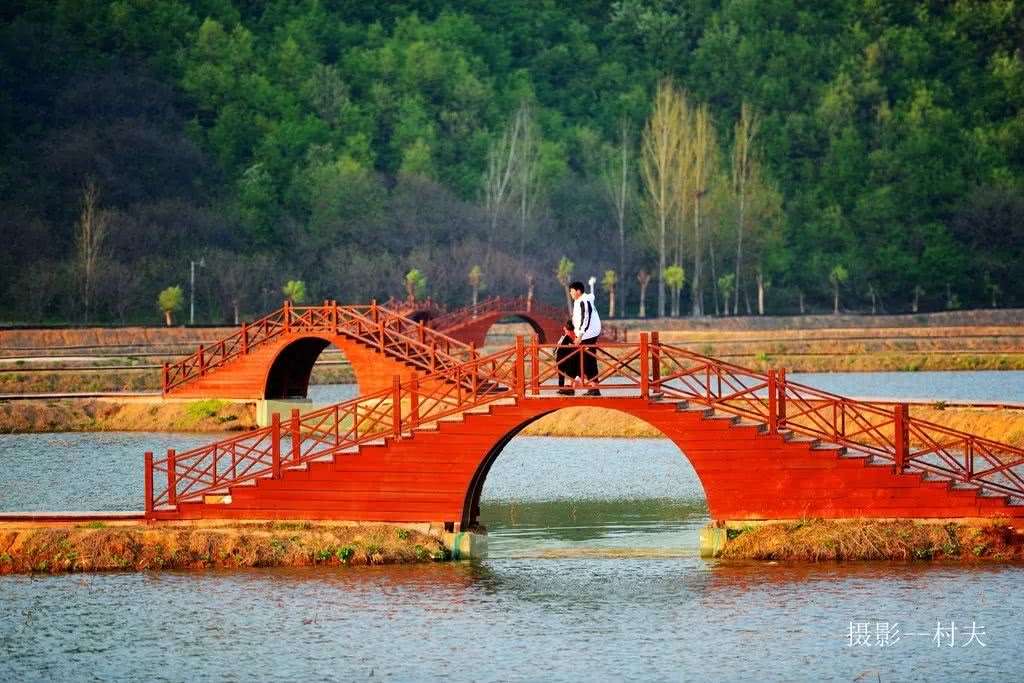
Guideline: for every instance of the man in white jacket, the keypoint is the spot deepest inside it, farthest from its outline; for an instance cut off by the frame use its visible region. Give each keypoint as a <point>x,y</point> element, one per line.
<point>586,328</point>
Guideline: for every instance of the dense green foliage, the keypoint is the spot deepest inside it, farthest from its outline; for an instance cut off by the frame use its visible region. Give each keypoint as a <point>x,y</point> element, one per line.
<point>345,143</point>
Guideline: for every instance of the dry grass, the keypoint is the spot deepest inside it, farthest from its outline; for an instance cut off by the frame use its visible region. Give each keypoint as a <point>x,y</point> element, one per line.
<point>599,422</point>
<point>85,380</point>
<point>102,336</point>
<point>817,540</point>
<point>98,415</point>
<point>96,380</point>
<point>298,544</point>
<point>1005,426</point>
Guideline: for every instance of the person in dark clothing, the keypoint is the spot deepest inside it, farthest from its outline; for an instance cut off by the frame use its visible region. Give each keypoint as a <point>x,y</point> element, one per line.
<point>586,330</point>
<point>567,363</point>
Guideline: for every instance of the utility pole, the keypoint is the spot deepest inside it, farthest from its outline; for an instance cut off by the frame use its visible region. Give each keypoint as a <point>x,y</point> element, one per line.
<point>192,287</point>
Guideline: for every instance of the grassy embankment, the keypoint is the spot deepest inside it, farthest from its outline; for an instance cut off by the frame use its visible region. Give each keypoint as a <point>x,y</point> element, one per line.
<point>97,547</point>
<point>95,379</point>
<point>865,539</point>
<point>110,415</point>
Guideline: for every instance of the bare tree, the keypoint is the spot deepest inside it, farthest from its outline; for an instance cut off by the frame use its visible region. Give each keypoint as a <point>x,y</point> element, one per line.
<point>704,157</point>
<point>618,183</point>
<point>661,142</point>
<point>527,186</point>
<point>745,171</point>
<point>502,163</point>
<point>90,234</point>
<point>564,276</point>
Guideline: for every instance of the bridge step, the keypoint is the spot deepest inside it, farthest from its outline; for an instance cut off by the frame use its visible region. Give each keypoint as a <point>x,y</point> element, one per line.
<point>684,407</point>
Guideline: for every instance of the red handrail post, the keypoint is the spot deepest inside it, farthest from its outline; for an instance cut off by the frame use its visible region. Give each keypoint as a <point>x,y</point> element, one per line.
<point>275,446</point>
<point>245,337</point>
<point>520,367</point>
<point>773,404</point>
<point>656,360</point>
<point>334,317</point>
<point>149,484</point>
<point>373,310</point>
<point>645,366</point>
<point>421,331</point>
<point>901,436</point>
<point>296,436</point>
<point>396,407</point>
<point>476,369</point>
<point>202,361</point>
<point>433,357</point>
<point>172,484</point>
<point>534,367</point>
<point>287,316</point>
<point>780,382</point>
<point>167,373</point>
<point>414,399</point>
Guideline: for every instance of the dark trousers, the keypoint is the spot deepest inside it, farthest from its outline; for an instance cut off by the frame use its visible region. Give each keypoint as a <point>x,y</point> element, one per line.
<point>567,363</point>
<point>589,359</point>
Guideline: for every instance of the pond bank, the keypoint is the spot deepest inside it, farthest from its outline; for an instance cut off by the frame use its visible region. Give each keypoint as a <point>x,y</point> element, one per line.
<point>124,415</point>
<point>869,539</point>
<point>97,546</point>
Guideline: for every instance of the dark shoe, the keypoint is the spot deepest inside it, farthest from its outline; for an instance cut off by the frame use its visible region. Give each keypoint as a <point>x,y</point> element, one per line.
<point>593,392</point>
<point>566,392</point>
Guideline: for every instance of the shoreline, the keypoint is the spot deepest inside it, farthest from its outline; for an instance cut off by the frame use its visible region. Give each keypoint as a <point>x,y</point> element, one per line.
<point>819,540</point>
<point>99,546</point>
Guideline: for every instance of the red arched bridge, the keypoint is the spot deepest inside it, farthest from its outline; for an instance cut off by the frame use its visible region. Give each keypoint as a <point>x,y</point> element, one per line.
<point>420,450</point>
<point>273,357</point>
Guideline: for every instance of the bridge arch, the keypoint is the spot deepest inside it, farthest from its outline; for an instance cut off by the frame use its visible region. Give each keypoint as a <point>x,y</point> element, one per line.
<point>546,327</point>
<point>474,489</point>
<point>288,373</point>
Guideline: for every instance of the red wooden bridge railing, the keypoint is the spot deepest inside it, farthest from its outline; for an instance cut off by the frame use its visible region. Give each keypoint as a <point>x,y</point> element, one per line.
<point>646,369</point>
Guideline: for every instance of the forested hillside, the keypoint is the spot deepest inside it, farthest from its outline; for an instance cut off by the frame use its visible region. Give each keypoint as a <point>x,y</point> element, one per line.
<point>849,154</point>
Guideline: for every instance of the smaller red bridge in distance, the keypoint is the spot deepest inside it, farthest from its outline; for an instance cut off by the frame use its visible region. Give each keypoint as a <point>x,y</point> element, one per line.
<point>273,357</point>
<point>471,324</point>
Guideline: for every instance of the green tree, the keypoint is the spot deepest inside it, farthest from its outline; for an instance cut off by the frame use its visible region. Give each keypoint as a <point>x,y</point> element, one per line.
<point>675,278</point>
<point>837,276</point>
<point>415,285</point>
<point>171,300</point>
<point>608,282</point>
<point>726,283</point>
<point>295,291</point>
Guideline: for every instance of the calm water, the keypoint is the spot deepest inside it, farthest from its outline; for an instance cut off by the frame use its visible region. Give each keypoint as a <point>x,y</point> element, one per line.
<point>593,574</point>
<point>968,385</point>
